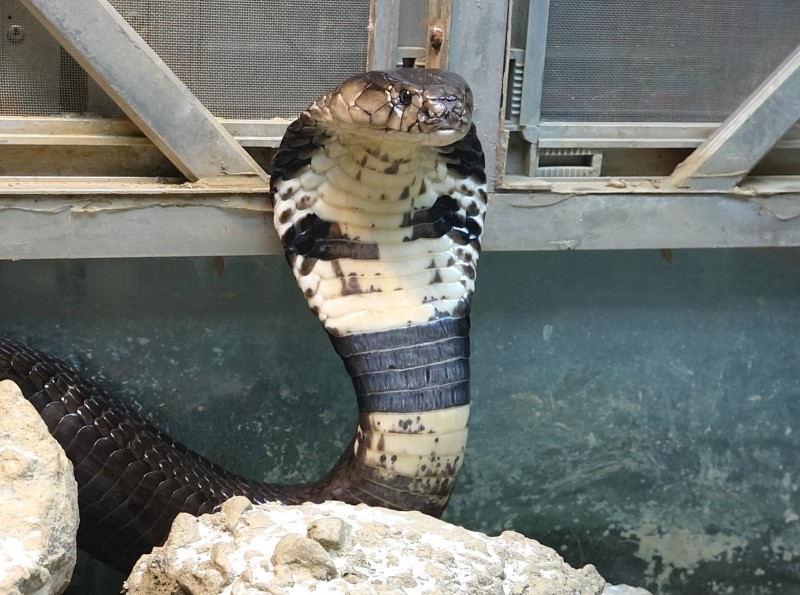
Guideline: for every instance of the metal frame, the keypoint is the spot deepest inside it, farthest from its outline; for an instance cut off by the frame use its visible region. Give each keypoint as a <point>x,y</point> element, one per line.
<point>483,69</point>
<point>637,135</point>
<point>652,221</point>
<point>22,130</point>
<point>725,152</point>
<point>533,79</point>
<point>48,217</point>
<point>157,102</point>
<point>149,93</point>
<point>142,220</point>
<point>382,44</point>
<point>88,222</point>
<point>19,130</point>
<point>726,157</point>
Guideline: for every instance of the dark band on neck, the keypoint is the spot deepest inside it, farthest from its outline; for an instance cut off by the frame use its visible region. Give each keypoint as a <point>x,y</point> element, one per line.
<point>411,369</point>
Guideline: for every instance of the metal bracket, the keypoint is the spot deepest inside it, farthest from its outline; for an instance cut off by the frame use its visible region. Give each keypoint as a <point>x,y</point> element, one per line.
<point>384,16</point>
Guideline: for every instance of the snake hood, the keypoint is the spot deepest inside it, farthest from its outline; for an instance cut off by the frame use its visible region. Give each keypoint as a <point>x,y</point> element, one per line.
<point>379,200</point>
<point>381,219</point>
<point>413,105</point>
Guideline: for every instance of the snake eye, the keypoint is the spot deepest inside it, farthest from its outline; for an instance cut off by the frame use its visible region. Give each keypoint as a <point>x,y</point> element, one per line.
<point>405,97</point>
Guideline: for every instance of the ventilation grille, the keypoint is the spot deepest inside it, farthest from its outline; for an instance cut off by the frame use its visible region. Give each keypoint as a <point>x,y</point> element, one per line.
<point>254,60</point>
<point>568,163</point>
<point>516,67</point>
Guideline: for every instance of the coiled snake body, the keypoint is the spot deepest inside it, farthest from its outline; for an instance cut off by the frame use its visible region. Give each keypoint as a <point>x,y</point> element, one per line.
<point>379,198</point>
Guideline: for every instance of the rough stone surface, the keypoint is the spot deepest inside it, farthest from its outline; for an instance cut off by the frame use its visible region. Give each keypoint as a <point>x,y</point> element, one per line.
<point>337,548</point>
<point>625,590</point>
<point>299,559</point>
<point>39,512</point>
<point>330,532</point>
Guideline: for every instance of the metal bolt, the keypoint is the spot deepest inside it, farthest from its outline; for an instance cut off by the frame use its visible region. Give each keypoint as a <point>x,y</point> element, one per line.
<point>436,37</point>
<point>15,34</point>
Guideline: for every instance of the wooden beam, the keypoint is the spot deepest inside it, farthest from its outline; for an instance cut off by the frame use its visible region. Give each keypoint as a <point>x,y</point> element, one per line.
<point>440,14</point>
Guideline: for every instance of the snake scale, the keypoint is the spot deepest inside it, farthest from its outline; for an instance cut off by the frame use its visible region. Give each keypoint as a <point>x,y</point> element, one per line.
<point>379,200</point>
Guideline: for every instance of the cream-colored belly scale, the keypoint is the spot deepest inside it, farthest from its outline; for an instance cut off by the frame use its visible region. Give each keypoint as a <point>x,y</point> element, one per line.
<point>412,280</point>
<point>372,191</point>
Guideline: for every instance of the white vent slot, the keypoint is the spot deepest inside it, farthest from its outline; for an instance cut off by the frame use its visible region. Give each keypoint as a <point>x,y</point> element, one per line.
<point>568,163</point>
<point>516,66</point>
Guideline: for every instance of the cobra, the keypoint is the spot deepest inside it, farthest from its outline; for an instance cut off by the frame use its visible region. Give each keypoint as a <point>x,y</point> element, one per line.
<point>379,201</point>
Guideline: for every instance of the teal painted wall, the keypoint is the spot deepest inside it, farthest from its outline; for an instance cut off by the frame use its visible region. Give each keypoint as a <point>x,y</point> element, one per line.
<point>635,410</point>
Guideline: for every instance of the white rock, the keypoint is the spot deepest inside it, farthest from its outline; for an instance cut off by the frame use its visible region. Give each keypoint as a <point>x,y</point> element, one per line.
<point>359,550</point>
<point>300,559</point>
<point>39,515</point>
<point>625,590</point>
<point>330,532</point>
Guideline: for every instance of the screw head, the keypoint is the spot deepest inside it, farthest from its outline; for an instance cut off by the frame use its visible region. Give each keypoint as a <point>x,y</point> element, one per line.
<point>436,38</point>
<point>15,34</point>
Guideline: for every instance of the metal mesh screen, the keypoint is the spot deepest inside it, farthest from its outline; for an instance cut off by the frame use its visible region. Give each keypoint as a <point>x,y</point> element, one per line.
<point>617,60</point>
<point>255,59</point>
<point>29,64</point>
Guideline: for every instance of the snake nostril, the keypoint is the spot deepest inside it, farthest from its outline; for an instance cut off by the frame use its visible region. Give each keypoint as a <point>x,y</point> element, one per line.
<point>437,110</point>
